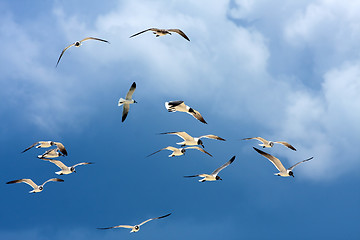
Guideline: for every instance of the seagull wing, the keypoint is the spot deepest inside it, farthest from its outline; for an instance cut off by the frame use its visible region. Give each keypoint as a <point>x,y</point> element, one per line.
<point>154,219</point>
<point>216,172</point>
<point>25,180</point>
<point>61,148</point>
<point>118,226</point>
<point>126,108</point>
<point>57,163</point>
<point>183,135</point>
<point>131,91</point>
<point>286,145</point>
<point>82,163</point>
<point>53,180</point>
<point>167,148</point>
<point>194,175</point>
<point>31,147</point>
<point>93,38</point>
<point>178,31</point>
<point>277,163</point>
<point>292,167</point>
<point>196,115</point>
<point>174,106</point>
<point>63,52</point>
<point>257,138</point>
<point>200,149</point>
<point>150,29</point>
<point>213,137</point>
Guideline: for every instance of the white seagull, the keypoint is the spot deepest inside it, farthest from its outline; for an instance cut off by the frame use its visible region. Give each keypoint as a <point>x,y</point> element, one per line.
<point>65,169</point>
<point>135,228</point>
<point>179,151</point>
<point>163,32</point>
<point>174,106</point>
<point>46,144</point>
<point>214,175</point>
<point>189,140</point>
<point>268,144</point>
<point>52,153</point>
<point>127,101</point>
<point>37,188</point>
<point>277,163</point>
<point>78,44</point>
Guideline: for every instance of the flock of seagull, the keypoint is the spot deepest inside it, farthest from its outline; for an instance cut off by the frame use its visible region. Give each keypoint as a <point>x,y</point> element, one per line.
<point>189,142</point>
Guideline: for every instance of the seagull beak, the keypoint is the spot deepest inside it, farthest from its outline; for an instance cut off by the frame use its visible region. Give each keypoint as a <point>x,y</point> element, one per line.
<point>135,101</point>
<point>202,145</point>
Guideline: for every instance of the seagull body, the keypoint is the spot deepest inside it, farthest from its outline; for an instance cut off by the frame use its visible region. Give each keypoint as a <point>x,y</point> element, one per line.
<point>268,144</point>
<point>65,169</point>
<point>283,172</point>
<point>179,106</point>
<point>135,228</point>
<point>162,32</point>
<point>52,153</point>
<point>78,44</point>
<point>36,188</point>
<point>46,144</point>
<point>127,101</point>
<point>214,175</point>
<point>191,141</point>
<point>179,151</point>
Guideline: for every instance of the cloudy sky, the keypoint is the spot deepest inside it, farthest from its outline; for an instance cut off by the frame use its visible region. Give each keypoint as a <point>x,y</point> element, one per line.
<point>283,70</point>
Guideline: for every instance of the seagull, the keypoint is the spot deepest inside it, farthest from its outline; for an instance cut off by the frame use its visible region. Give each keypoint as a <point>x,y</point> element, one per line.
<point>127,101</point>
<point>78,44</point>
<point>135,228</point>
<point>65,169</point>
<point>180,151</point>
<point>46,144</point>
<point>162,32</point>
<point>269,144</point>
<point>189,140</point>
<point>33,185</point>
<point>52,153</point>
<point>214,175</point>
<point>283,172</point>
<point>180,106</point>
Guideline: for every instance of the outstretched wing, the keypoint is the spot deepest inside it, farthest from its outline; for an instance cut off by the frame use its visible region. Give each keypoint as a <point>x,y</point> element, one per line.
<point>277,163</point>
<point>30,147</point>
<point>56,162</point>
<point>61,148</point>
<point>200,149</point>
<point>154,219</point>
<point>212,137</point>
<point>286,145</point>
<point>63,52</point>
<point>197,115</point>
<point>178,31</point>
<point>292,167</point>
<point>24,180</point>
<point>183,135</point>
<point>150,29</point>
<point>82,163</point>
<point>126,108</point>
<point>93,38</point>
<point>216,172</point>
<point>257,138</point>
<point>118,226</point>
<point>167,148</point>
<point>131,91</point>
<point>53,180</point>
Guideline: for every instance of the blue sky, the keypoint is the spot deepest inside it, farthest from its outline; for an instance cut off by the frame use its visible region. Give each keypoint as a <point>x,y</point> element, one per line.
<point>281,70</point>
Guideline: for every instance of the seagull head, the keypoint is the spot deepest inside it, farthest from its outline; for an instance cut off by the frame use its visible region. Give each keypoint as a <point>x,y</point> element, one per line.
<point>72,169</point>
<point>77,44</point>
<point>135,228</point>
<point>291,173</point>
<point>218,178</point>
<point>183,150</point>
<point>135,101</point>
<point>271,144</point>
<point>200,143</point>
<point>41,188</point>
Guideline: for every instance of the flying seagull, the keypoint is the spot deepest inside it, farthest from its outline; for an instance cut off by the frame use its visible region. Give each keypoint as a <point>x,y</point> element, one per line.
<point>65,169</point>
<point>163,32</point>
<point>37,188</point>
<point>78,44</point>
<point>189,140</point>
<point>52,153</point>
<point>135,228</point>
<point>180,106</point>
<point>127,101</point>
<point>46,144</point>
<point>283,172</point>
<point>180,151</point>
<point>214,175</point>
<point>268,144</point>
